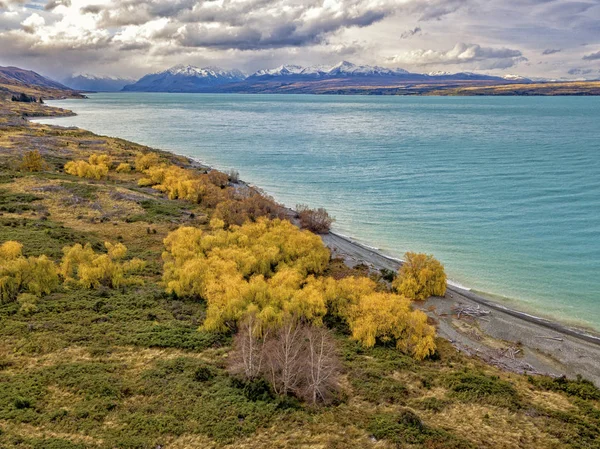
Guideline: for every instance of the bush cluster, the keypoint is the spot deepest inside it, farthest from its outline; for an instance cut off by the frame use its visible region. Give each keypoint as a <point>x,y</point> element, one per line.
<point>272,271</point>
<point>96,167</point>
<point>36,276</point>
<point>26,278</point>
<point>420,277</point>
<point>81,265</point>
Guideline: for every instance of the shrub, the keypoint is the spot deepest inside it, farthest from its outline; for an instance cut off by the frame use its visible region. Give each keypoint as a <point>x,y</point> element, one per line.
<point>581,388</point>
<point>297,359</point>
<point>248,206</point>
<point>32,162</point>
<point>204,373</point>
<point>387,317</point>
<point>420,277</point>
<point>256,268</point>
<point>81,265</point>
<point>28,303</point>
<point>123,167</point>
<point>474,386</point>
<point>315,220</point>
<point>218,178</point>
<point>18,274</point>
<point>96,168</point>
<point>143,161</point>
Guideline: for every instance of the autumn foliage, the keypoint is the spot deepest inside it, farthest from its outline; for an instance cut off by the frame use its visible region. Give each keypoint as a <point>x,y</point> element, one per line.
<point>18,274</point>
<point>32,162</point>
<point>81,265</point>
<point>420,277</point>
<point>96,167</point>
<point>270,272</point>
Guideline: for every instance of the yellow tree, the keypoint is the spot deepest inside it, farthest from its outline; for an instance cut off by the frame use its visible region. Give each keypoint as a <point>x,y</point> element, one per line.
<point>81,265</point>
<point>420,276</point>
<point>18,274</point>
<point>32,161</point>
<point>388,317</point>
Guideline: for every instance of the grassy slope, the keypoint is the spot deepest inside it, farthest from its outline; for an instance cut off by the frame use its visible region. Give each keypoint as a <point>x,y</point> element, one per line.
<point>107,368</point>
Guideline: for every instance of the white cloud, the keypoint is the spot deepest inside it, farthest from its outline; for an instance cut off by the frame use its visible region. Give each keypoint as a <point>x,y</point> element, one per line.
<point>472,54</point>
<point>33,23</point>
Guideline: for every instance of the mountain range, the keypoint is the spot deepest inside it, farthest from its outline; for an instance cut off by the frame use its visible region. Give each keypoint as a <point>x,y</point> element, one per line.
<point>193,79</point>
<point>342,78</point>
<point>94,83</point>
<point>185,79</point>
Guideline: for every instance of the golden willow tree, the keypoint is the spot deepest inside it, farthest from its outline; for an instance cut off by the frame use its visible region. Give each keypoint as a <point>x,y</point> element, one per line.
<point>96,167</point>
<point>19,274</point>
<point>420,276</point>
<point>270,272</point>
<point>82,266</point>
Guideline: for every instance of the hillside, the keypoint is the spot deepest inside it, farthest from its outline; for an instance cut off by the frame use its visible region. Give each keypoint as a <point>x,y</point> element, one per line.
<point>132,366</point>
<point>15,81</point>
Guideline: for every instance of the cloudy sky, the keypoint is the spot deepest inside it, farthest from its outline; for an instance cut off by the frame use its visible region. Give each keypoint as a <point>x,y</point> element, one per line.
<point>538,38</point>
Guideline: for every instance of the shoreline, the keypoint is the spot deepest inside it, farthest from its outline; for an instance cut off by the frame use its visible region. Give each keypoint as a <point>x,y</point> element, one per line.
<point>587,335</point>
<point>541,353</point>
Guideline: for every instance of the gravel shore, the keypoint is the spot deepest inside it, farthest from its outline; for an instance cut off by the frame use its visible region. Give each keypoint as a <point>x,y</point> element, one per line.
<point>504,337</point>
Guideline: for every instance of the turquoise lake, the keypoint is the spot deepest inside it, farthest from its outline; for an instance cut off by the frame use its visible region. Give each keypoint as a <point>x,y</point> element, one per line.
<point>505,191</point>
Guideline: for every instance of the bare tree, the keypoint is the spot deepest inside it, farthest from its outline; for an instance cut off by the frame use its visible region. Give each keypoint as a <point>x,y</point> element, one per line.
<point>248,351</point>
<point>321,368</point>
<point>315,220</point>
<point>285,355</point>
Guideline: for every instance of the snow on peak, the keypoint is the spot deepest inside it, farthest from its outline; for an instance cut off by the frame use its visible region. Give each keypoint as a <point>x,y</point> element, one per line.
<point>511,77</point>
<point>343,68</point>
<point>205,72</point>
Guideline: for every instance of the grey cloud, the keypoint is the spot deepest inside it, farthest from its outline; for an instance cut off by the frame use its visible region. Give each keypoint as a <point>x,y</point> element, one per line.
<point>410,33</point>
<point>53,4</point>
<point>578,71</point>
<point>551,51</point>
<point>290,27</point>
<point>487,58</point>
<point>436,9</point>
<point>592,56</point>
<point>91,9</point>
<point>4,4</point>
<point>135,46</point>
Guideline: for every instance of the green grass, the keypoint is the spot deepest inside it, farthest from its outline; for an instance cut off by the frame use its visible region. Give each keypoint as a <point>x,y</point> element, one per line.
<point>43,236</point>
<point>158,210</point>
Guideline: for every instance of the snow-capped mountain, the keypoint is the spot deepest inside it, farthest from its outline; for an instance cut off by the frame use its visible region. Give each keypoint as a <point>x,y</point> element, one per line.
<point>510,77</point>
<point>88,82</point>
<point>282,70</point>
<point>185,78</point>
<point>343,69</point>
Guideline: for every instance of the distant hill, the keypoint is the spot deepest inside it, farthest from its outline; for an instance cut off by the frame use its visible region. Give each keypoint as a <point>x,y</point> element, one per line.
<point>185,79</point>
<point>93,83</point>
<point>15,81</point>
<point>17,76</point>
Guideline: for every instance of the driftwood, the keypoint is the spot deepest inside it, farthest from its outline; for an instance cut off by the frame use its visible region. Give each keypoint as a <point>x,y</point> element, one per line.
<point>473,312</point>
<point>550,338</point>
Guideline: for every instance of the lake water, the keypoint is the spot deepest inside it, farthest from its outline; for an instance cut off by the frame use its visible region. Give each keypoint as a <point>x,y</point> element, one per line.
<point>505,191</point>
